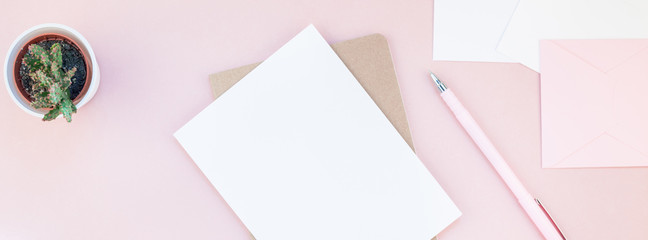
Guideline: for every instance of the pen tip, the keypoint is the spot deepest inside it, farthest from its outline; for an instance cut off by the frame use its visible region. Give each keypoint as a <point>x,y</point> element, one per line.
<point>438,82</point>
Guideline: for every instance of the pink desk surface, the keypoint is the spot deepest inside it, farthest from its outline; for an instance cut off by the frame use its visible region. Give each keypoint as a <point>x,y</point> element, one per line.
<point>116,172</point>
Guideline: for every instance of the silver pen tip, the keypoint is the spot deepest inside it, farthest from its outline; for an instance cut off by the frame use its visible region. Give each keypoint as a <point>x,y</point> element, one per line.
<point>442,87</point>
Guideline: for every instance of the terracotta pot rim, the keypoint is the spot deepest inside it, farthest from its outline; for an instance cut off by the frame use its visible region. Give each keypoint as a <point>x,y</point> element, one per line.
<point>44,37</point>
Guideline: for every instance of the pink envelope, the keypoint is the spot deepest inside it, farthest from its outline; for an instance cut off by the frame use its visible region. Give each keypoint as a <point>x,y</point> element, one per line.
<point>594,101</point>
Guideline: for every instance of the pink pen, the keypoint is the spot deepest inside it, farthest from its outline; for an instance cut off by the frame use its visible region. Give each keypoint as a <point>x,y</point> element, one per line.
<point>532,206</point>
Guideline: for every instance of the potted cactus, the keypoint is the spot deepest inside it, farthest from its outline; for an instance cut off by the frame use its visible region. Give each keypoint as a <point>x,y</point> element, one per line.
<point>49,84</point>
<point>51,71</point>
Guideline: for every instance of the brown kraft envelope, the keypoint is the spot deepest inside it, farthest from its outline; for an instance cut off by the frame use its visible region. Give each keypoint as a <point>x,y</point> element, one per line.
<point>369,60</point>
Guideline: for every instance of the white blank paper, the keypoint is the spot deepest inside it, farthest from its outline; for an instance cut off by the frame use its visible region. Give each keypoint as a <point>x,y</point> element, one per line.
<point>469,30</point>
<point>534,20</point>
<point>300,151</point>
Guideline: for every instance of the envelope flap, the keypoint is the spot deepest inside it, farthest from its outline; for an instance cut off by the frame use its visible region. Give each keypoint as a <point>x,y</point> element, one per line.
<point>575,102</point>
<point>603,151</point>
<point>603,54</point>
<point>631,102</point>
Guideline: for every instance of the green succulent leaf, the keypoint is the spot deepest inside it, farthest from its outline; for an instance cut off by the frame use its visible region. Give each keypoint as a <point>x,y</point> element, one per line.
<point>52,114</point>
<point>56,59</point>
<point>33,63</point>
<point>56,93</point>
<point>56,56</point>
<point>41,77</point>
<point>67,108</point>
<point>36,57</point>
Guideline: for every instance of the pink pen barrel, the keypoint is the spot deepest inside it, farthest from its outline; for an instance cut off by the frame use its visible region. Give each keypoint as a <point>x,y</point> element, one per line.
<point>539,217</point>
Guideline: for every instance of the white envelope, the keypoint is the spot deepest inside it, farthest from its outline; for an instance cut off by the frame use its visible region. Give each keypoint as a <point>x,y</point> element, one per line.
<point>534,20</point>
<point>469,30</point>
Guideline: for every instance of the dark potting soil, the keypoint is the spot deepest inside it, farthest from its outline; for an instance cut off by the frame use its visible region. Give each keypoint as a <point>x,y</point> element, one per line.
<point>72,57</point>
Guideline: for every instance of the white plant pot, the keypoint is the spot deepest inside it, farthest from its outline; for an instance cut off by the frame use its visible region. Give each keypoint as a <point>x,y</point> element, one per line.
<point>25,37</point>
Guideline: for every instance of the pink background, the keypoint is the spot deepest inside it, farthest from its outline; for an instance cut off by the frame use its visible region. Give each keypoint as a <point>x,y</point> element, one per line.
<point>116,172</point>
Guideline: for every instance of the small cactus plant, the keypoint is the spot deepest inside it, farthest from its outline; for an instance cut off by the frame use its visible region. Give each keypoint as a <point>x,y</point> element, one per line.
<point>50,82</point>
